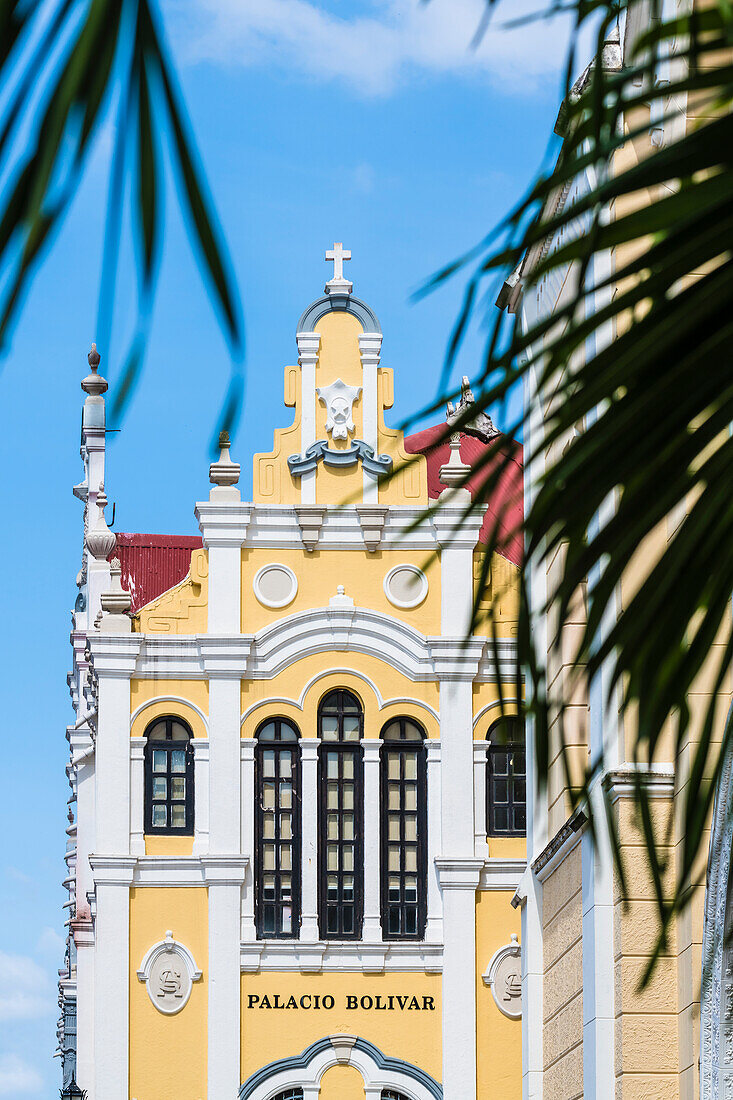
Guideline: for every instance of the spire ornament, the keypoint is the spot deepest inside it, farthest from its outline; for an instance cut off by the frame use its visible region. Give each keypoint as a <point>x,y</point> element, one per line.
<point>100,540</point>
<point>94,384</point>
<point>480,424</point>
<point>224,474</point>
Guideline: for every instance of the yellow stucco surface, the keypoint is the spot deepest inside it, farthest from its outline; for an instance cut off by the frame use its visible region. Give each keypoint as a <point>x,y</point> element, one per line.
<point>150,699</point>
<point>168,1059</point>
<point>319,673</point>
<point>498,1039</point>
<point>341,1083</point>
<point>183,609</point>
<point>411,1034</point>
<point>360,572</point>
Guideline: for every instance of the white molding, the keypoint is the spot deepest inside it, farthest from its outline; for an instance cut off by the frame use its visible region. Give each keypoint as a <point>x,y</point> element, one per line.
<point>316,956</point>
<point>434,929</point>
<point>323,630</point>
<point>137,795</point>
<point>203,870</point>
<point>170,699</point>
<point>343,671</point>
<point>256,586</point>
<point>169,946</point>
<point>498,873</point>
<point>406,567</point>
<point>658,781</point>
<point>478,717</point>
<point>372,924</point>
<point>201,753</point>
<point>309,931</point>
<point>479,798</point>
<point>247,833</point>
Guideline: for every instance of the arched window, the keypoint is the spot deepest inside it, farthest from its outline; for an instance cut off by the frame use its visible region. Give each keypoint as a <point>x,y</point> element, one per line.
<point>506,778</point>
<point>168,778</point>
<point>340,853</point>
<point>277,828</point>
<point>404,830</point>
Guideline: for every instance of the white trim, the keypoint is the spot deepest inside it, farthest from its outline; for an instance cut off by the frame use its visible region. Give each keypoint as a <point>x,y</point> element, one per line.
<point>406,567</point>
<point>170,699</point>
<point>137,795</point>
<point>309,931</point>
<point>256,585</point>
<point>492,706</point>
<point>317,956</point>
<point>200,746</point>
<point>247,827</point>
<point>299,703</point>
<point>178,871</point>
<point>434,929</point>
<point>342,1051</point>
<point>372,925</point>
<point>168,946</point>
<point>501,874</point>
<point>479,799</point>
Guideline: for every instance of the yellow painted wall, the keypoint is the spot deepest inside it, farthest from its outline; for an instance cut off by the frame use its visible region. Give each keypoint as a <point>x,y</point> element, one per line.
<point>168,1054</point>
<point>498,1039</point>
<point>261,698</point>
<point>271,481</point>
<point>149,692</point>
<point>341,1083</point>
<point>182,609</point>
<point>412,1035</point>
<point>360,572</point>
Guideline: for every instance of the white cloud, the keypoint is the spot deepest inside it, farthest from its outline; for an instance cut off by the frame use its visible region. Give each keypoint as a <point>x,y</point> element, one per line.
<point>27,992</point>
<point>18,1077</point>
<point>381,45</point>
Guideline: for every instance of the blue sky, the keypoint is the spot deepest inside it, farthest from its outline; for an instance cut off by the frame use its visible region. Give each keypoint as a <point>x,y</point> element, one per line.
<point>367,122</point>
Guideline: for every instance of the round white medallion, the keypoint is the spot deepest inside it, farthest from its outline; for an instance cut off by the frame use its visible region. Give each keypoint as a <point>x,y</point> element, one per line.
<point>504,977</point>
<point>406,586</point>
<point>275,585</point>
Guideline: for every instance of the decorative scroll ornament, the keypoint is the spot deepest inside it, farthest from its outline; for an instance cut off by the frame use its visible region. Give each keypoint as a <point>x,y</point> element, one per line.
<point>377,465</point>
<point>503,976</point>
<point>169,972</point>
<point>339,401</point>
<point>479,424</point>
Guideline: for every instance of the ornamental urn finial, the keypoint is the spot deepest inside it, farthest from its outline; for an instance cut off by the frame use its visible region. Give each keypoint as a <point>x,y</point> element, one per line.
<point>224,474</point>
<point>100,540</point>
<point>94,384</point>
<point>115,601</point>
<point>455,472</point>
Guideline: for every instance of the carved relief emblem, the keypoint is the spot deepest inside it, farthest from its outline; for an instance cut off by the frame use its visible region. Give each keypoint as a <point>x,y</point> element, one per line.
<point>169,972</point>
<point>339,401</point>
<point>504,977</point>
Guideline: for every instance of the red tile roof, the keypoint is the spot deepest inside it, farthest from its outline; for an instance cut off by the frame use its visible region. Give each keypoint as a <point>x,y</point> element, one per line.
<point>506,507</point>
<point>151,564</point>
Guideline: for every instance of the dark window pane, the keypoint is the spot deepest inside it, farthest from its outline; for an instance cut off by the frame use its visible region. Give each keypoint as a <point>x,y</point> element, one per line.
<point>506,788</point>
<point>169,778</point>
<point>404,797</point>
<point>277,824</point>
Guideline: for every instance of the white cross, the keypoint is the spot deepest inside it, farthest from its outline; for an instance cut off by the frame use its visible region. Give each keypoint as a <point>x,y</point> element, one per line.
<point>338,254</point>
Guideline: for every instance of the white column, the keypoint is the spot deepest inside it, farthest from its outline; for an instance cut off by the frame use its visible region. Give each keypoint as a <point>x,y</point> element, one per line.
<point>112,978</point>
<point>224,879</point>
<point>309,847</point>
<point>598,965</point>
<point>224,765</point>
<point>479,799</point>
<point>370,344</point>
<point>137,795</point>
<point>223,520</point>
<point>200,747</point>
<point>372,927</point>
<point>247,757</point>
<point>533,979</point>
<point>308,343</point>
<point>112,764</point>
<point>434,930</point>
<point>459,880</point>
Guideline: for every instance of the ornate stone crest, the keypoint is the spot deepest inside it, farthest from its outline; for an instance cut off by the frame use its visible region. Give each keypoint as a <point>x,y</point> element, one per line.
<point>503,976</point>
<point>339,401</point>
<point>169,972</point>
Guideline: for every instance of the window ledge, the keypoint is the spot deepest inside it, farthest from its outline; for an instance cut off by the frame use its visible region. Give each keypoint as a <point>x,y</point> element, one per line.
<point>353,956</point>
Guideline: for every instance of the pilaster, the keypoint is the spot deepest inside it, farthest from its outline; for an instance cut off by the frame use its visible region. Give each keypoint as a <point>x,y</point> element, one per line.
<point>479,799</point>
<point>372,926</point>
<point>434,929</point>
<point>308,345</point>
<point>112,975</point>
<point>200,747</point>
<point>370,345</point>
<point>137,796</point>
<point>247,758</point>
<point>225,877</point>
<point>309,830</point>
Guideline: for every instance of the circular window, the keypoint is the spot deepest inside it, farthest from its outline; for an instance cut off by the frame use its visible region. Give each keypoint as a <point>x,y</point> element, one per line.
<point>406,586</point>
<point>275,585</point>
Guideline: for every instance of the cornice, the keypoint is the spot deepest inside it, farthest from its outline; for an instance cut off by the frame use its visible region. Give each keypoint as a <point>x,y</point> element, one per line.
<point>561,845</point>
<point>657,781</point>
<point>501,874</point>
<point>459,873</point>
<point>205,870</point>
<point>223,523</point>
<point>326,956</point>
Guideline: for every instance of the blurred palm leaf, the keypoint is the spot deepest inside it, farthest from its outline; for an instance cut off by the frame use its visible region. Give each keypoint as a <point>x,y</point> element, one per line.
<point>66,67</point>
<point>632,376</point>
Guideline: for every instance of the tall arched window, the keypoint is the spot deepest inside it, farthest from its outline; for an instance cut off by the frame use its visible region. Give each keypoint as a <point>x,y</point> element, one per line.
<point>340,854</point>
<point>168,778</point>
<point>277,828</point>
<point>506,778</point>
<point>404,830</point>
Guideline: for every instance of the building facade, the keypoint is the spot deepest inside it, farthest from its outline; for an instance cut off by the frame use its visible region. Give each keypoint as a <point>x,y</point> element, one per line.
<point>589,1030</point>
<point>296,826</point>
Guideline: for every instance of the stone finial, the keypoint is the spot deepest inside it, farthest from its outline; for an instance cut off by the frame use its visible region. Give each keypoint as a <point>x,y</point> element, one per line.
<point>455,472</point>
<point>480,424</point>
<point>116,603</point>
<point>224,473</point>
<point>94,384</point>
<point>100,540</point>
<point>341,601</point>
